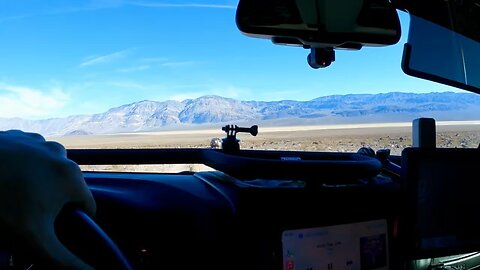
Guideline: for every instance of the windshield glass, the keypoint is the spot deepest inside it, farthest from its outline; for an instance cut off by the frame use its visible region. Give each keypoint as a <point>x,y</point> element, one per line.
<point>148,74</point>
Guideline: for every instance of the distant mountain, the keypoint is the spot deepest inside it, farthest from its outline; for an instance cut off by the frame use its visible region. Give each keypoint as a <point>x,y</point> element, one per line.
<point>154,115</point>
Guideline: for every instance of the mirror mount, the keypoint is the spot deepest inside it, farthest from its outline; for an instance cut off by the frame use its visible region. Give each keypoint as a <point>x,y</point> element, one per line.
<point>320,57</point>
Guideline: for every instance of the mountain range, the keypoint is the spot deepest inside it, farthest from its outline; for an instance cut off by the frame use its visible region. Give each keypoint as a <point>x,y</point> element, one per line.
<point>150,115</point>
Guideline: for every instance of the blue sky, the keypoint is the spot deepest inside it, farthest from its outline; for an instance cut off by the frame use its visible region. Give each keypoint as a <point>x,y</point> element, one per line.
<point>76,57</point>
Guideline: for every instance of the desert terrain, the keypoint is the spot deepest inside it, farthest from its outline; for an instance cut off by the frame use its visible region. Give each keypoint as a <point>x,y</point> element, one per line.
<point>343,138</point>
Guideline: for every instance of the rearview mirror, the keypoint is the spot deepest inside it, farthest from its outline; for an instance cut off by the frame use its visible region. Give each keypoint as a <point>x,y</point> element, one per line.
<point>321,24</point>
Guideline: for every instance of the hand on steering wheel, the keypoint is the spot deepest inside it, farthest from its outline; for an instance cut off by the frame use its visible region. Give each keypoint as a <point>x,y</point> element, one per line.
<point>36,181</point>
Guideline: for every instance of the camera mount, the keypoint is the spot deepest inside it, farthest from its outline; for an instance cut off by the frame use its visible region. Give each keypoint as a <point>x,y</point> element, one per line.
<point>230,144</point>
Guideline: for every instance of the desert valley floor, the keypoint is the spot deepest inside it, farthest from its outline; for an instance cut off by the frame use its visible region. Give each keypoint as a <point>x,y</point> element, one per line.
<point>343,138</point>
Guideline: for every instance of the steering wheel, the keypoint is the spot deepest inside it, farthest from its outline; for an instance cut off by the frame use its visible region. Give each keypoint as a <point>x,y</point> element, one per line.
<point>84,237</point>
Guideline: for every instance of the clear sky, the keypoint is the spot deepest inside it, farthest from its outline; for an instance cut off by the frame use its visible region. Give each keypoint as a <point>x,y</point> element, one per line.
<point>60,58</point>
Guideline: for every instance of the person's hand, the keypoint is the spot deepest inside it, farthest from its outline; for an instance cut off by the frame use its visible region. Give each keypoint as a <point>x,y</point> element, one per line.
<point>36,181</point>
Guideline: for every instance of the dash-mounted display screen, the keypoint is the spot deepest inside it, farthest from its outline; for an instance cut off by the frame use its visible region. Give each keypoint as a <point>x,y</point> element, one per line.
<point>356,246</point>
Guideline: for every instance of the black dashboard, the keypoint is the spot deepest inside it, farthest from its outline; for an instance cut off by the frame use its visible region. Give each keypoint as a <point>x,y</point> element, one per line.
<point>210,220</point>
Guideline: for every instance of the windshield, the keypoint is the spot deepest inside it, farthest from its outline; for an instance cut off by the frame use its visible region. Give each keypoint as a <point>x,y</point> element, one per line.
<point>149,74</point>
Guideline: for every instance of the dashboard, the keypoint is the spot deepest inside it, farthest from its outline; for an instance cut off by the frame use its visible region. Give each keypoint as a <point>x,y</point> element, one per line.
<point>210,219</point>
